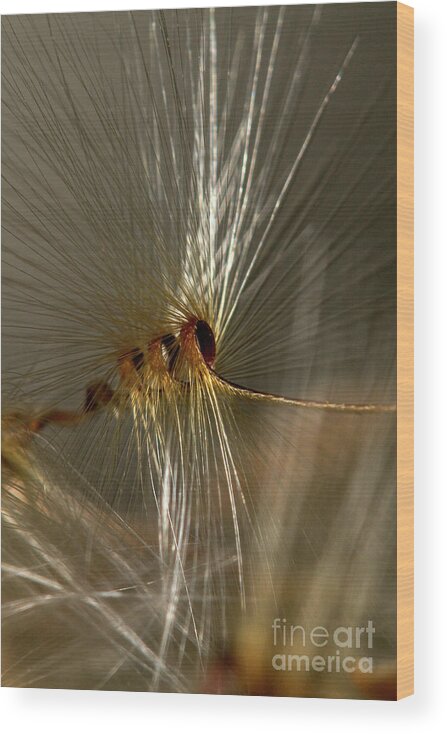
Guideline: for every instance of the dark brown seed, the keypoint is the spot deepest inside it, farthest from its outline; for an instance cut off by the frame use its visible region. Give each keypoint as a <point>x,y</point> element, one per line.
<point>96,396</point>
<point>206,342</point>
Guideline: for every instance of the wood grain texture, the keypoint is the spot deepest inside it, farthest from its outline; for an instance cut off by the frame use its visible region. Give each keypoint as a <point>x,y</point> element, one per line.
<point>405,515</point>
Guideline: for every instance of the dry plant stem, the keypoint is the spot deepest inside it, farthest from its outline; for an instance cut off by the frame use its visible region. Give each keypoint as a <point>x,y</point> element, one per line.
<point>195,344</point>
<point>312,404</point>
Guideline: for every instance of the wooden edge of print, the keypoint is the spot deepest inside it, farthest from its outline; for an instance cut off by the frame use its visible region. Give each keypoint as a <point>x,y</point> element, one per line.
<point>405,512</point>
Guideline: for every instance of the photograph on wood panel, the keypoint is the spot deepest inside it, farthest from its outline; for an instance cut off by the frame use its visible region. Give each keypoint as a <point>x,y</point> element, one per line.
<point>199,350</point>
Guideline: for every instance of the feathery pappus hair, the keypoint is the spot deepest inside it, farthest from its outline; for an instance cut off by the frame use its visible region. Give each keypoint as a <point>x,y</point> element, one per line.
<point>199,344</point>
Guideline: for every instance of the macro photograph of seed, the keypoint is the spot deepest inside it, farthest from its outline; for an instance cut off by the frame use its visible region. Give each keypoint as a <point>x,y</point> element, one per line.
<point>199,351</point>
